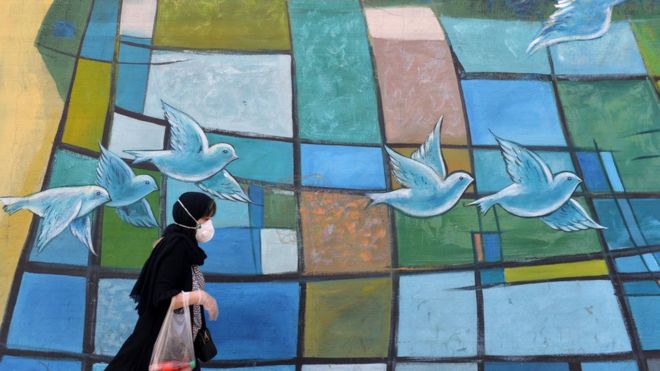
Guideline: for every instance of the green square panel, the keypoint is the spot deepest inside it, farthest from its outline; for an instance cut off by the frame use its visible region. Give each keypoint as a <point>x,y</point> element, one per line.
<point>529,238</point>
<point>647,33</point>
<point>348,318</point>
<point>124,245</point>
<point>280,209</point>
<point>621,117</point>
<point>439,240</point>
<point>223,24</point>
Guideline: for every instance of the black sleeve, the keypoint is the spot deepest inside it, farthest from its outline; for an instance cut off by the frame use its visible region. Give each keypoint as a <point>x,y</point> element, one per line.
<point>170,277</point>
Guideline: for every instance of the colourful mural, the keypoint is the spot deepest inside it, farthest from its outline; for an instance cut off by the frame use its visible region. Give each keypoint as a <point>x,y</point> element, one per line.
<point>409,185</point>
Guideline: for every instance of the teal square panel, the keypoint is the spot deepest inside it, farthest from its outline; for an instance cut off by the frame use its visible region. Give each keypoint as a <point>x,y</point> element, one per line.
<point>484,45</point>
<point>615,53</point>
<point>336,92</point>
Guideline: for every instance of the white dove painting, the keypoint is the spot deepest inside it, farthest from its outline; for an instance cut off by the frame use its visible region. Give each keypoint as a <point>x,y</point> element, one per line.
<point>536,192</point>
<point>192,160</point>
<point>60,208</point>
<point>428,191</point>
<point>575,20</point>
<point>127,190</point>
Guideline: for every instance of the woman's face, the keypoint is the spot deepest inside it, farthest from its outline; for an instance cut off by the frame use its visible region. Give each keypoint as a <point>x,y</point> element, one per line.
<point>203,220</point>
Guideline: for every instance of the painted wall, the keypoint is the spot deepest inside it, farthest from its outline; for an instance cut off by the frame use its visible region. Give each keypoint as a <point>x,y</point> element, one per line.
<point>420,185</point>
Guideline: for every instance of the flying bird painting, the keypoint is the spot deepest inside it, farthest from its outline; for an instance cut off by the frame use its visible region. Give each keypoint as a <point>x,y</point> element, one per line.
<point>575,20</point>
<point>60,208</point>
<point>127,190</point>
<point>192,160</point>
<point>428,190</point>
<point>536,192</point>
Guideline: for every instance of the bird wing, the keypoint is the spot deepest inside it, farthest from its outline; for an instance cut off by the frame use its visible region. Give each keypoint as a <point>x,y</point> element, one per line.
<point>112,173</point>
<point>138,214</point>
<point>429,153</point>
<point>224,186</point>
<point>82,229</point>
<point>524,166</point>
<point>186,134</point>
<point>411,173</point>
<point>570,217</point>
<point>57,216</point>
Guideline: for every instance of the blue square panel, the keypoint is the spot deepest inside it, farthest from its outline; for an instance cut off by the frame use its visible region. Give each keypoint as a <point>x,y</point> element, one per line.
<point>490,168</point>
<point>256,194</point>
<point>133,73</point>
<point>228,214</point>
<point>526,366</point>
<point>51,306</point>
<point>484,45</point>
<point>258,321</point>
<point>115,315</point>
<point>259,159</point>
<point>645,308</point>
<point>550,318</point>
<point>342,166</point>
<point>518,110</point>
<point>65,248</point>
<point>631,222</point>
<point>99,366</point>
<point>611,171</point>
<point>436,367</point>
<point>99,41</point>
<point>233,251</point>
<point>492,247</point>
<point>593,172</point>
<point>642,288</point>
<point>647,215</point>
<point>630,264</point>
<point>431,327</point>
<point>38,364</point>
<point>610,366</point>
<point>492,276</point>
<point>615,53</point>
<point>616,235</point>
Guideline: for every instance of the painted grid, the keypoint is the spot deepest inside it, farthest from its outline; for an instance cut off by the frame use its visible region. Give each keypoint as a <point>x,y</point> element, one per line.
<point>384,285</point>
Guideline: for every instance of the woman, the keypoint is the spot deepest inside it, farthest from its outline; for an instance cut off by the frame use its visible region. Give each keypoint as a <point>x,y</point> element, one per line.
<point>171,271</point>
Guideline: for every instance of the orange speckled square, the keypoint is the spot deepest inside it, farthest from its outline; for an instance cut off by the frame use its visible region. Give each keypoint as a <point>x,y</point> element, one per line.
<point>341,235</point>
<point>456,159</point>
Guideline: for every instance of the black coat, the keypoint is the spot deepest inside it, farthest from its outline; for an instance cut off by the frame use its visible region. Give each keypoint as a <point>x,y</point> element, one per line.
<point>166,272</point>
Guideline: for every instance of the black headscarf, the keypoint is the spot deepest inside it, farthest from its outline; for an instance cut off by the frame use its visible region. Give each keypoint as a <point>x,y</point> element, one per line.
<point>177,240</point>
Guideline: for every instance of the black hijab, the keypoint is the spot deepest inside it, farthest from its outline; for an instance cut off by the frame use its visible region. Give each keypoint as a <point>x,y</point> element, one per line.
<point>176,234</point>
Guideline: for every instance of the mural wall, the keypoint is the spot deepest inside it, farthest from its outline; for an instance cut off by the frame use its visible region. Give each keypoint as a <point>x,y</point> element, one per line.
<point>406,185</point>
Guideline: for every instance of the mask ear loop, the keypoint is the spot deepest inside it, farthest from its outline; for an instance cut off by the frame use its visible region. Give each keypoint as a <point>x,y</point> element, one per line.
<point>190,215</point>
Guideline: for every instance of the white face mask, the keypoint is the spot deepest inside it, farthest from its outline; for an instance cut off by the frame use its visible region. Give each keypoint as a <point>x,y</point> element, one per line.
<point>205,231</point>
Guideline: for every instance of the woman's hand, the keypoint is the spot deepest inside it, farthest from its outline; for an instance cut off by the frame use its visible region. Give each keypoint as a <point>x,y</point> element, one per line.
<point>208,302</point>
<point>198,297</point>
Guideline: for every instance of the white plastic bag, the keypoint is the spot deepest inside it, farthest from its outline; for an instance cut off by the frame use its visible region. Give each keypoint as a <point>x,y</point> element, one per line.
<point>173,350</point>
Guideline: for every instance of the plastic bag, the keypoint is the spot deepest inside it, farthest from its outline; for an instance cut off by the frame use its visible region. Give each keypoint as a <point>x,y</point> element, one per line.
<point>173,350</point>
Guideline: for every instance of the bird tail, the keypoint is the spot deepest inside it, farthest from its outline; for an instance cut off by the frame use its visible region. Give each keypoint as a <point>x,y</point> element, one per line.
<point>484,204</point>
<point>376,198</point>
<point>140,156</point>
<point>13,204</point>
